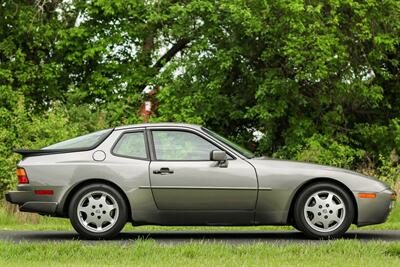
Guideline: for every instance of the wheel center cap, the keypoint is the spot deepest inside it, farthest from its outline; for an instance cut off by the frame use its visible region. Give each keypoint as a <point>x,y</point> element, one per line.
<point>324,211</point>
<point>97,211</point>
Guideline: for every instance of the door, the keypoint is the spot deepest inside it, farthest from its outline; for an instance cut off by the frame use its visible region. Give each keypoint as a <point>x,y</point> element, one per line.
<point>183,177</point>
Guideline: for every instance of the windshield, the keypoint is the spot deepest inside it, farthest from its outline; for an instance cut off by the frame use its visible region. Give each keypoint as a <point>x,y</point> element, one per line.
<point>82,142</point>
<point>245,152</point>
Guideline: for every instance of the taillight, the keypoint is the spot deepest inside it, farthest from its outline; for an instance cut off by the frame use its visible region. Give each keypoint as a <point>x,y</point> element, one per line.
<point>22,177</point>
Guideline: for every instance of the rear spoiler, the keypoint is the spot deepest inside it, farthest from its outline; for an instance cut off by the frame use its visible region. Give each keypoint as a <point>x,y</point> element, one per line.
<point>41,152</point>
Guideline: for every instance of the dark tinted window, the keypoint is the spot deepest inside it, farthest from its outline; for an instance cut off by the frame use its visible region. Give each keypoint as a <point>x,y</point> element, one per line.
<point>131,145</point>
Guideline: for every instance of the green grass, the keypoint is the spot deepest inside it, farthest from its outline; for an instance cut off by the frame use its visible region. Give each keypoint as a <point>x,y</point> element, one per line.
<point>149,253</point>
<point>10,222</point>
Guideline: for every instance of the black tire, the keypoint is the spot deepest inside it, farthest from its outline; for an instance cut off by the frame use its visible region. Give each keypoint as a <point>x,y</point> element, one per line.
<point>300,218</point>
<point>120,221</point>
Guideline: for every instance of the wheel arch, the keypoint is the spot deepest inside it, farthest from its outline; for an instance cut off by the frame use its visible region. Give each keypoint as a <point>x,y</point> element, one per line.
<point>289,218</point>
<point>68,196</point>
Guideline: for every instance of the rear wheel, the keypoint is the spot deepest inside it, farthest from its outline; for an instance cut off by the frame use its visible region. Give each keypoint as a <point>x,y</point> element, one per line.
<point>98,211</point>
<point>324,210</point>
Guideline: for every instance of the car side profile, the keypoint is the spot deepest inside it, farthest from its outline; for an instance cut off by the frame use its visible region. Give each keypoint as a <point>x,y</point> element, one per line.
<point>181,174</point>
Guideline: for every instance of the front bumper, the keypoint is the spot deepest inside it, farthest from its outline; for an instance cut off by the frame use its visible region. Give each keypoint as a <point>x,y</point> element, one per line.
<point>29,202</point>
<point>374,210</point>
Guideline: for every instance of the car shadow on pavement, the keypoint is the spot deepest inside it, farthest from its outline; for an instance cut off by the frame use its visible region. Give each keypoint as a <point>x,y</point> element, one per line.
<point>187,236</point>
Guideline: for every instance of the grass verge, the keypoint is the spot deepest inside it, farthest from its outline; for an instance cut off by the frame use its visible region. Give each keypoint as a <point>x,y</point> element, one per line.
<point>149,253</point>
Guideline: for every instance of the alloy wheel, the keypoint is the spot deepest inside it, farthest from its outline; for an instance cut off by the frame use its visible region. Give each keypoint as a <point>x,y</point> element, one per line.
<point>98,211</point>
<point>324,211</point>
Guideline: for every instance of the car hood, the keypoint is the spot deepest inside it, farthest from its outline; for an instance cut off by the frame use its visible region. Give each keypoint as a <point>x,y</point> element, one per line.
<point>306,170</point>
<point>308,165</point>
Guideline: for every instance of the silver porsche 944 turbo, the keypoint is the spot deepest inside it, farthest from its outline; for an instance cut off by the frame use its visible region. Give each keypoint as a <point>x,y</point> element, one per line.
<point>180,174</point>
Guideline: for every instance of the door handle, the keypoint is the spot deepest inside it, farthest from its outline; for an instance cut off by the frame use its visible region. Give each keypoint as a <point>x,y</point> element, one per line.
<point>163,171</point>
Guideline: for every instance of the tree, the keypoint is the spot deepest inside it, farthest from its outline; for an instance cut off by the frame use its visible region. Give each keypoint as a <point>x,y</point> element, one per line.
<point>318,79</point>
<point>299,71</point>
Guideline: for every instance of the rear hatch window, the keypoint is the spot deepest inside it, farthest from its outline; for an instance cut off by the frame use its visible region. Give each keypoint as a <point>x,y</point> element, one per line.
<point>87,141</point>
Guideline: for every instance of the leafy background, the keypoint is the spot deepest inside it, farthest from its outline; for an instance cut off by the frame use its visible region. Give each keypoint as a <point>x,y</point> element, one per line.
<point>314,80</point>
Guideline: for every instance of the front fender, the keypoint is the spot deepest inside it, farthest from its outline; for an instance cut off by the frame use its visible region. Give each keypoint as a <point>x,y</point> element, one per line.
<point>285,178</point>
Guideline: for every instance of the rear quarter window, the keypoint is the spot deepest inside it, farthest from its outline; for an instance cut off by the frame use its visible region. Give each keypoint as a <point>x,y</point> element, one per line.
<point>131,145</point>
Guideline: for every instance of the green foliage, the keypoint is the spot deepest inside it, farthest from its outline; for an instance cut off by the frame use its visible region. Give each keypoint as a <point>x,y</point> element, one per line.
<point>318,79</point>
<point>387,171</point>
<point>323,150</point>
<point>20,128</point>
<point>384,168</point>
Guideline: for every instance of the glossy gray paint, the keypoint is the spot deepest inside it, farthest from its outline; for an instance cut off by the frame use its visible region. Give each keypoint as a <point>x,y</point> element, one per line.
<point>245,192</point>
<point>201,185</point>
<point>286,178</point>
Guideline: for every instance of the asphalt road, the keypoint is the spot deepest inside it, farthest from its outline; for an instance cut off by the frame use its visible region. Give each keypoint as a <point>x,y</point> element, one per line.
<point>172,237</point>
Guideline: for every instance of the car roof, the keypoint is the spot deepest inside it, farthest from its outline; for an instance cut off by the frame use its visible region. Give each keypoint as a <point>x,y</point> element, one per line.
<point>158,124</point>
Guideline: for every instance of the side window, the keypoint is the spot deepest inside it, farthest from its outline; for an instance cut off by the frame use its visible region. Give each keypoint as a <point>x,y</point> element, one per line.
<point>131,145</point>
<point>180,145</point>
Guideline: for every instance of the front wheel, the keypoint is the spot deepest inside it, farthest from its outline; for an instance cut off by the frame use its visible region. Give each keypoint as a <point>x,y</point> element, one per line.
<point>98,211</point>
<point>324,210</point>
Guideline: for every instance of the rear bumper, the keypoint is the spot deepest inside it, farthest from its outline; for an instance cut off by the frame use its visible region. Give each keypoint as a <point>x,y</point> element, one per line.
<point>18,197</point>
<point>28,202</point>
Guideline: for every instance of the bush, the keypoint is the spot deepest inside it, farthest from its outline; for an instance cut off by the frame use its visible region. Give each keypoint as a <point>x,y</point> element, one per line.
<point>20,128</point>
<point>323,150</point>
<point>386,169</point>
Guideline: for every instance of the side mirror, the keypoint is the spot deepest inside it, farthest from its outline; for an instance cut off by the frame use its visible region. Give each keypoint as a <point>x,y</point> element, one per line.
<point>220,156</point>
